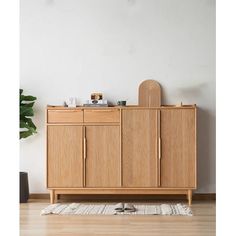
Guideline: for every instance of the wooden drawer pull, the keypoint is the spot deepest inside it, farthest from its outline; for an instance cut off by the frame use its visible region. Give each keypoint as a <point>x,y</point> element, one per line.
<point>159,144</point>
<point>85,146</point>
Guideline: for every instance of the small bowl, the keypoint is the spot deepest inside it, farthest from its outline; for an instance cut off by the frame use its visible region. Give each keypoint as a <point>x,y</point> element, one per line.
<point>121,103</point>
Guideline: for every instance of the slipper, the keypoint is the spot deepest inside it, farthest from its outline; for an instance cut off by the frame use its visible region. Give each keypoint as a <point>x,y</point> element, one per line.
<point>119,207</point>
<point>129,207</point>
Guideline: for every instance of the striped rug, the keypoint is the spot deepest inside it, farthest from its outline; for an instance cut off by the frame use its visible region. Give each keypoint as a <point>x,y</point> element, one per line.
<point>109,209</point>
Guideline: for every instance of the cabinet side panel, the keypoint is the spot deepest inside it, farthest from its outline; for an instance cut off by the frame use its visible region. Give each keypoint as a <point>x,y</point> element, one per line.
<point>139,148</point>
<point>65,156</point>
<point>178,148</point>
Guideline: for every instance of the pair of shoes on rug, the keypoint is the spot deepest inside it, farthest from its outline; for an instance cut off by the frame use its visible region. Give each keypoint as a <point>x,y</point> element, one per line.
<point>124,207</point>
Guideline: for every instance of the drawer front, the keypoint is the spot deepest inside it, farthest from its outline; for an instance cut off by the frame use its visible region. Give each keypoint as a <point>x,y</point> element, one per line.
<point>101,116</point>
<point>62,116</point>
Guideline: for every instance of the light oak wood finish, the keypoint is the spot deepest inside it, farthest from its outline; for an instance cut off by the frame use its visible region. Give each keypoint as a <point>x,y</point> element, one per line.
<point>103,156</point>
<point>121,191</point>
<point>139,148</point>
<point>81,108</point>
<point>102,115</point>
<point>121,148</point>
<point>149,94</point>
<point>202,223</point>
<point>159,146</point>
<point>52,195</point>
<point>65,116</point>
<point>178,140</point>
<point>190,197</point>
<point>84,155</point>
<point>127,150</point>
<point>85,124</point>
<point>65,163</point>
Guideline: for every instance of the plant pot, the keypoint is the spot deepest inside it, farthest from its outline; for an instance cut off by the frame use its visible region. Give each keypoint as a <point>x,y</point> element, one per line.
<point>24,187</point>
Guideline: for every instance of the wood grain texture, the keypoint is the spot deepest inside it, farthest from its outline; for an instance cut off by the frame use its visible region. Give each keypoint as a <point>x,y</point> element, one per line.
<point>178,148</point>
<point>149,94</point>
<point>202,223</point>
<point>65,116</point>
<point>103,156</point>
<point>52,196</point>
<point>122,157</point>
<point>139,148</point>
<point>64,163</point>
<point>190,194</point>
<point>121,191</point>
<point>112,115</point>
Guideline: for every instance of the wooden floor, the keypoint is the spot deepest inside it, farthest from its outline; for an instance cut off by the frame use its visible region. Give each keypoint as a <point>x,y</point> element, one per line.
<point>201,224</point>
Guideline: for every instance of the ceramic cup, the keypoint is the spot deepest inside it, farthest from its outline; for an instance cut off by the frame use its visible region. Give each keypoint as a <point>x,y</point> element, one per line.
<point>121,103</point>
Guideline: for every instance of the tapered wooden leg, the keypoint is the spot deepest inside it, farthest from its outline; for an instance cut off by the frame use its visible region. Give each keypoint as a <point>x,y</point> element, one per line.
<point>189,197</point>
<point>55,197</point>
<point>52,196</point>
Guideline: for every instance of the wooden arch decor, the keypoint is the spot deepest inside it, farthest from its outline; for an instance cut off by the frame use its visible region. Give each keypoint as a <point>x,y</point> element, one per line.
<point>149,94</point>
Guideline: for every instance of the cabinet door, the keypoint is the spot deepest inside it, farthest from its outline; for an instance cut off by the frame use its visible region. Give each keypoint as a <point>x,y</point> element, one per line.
<point>139,148</point>
<point>102,156</point>
<point>178,139</point>
<point>65,162</point>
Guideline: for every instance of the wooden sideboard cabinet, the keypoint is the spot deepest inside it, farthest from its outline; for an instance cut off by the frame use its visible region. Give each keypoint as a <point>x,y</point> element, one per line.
<point>121,150</point>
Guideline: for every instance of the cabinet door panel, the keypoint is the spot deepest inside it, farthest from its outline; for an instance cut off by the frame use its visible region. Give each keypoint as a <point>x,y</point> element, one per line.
<point>178,148</point>
<point>102,156</point>
<point>139,148</point>
<point>65,156</point>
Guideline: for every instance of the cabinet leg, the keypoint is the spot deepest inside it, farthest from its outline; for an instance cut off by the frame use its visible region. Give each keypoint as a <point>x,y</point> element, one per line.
<point>52,196</point>
<point>55,197</point>
<point>189,197</point>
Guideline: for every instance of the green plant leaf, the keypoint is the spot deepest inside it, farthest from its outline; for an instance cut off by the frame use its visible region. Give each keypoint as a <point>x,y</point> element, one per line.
<point>23,124</point>
<point>30,104</point>
<point>28,123</point>
<point>27,120</point>
<point>31,124</point>
<point>27,126</point>
<point>26,111</point>
<point>25,134</point>
<point>27,98</point>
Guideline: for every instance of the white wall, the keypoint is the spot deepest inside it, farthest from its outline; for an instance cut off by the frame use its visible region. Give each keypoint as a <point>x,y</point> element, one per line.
<point>75,47</point>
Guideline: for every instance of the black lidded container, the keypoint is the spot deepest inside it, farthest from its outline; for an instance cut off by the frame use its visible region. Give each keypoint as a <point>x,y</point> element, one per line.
<point>24,187</point>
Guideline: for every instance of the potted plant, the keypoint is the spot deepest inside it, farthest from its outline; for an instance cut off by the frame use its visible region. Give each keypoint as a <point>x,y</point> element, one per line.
<point>27,128</point>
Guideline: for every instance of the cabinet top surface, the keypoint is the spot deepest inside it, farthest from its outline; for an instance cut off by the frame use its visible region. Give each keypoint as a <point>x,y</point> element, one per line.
<point>50,107</point>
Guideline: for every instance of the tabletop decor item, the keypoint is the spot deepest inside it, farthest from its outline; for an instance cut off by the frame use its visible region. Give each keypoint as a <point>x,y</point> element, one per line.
<point>96,96</point>
<point>71,102</point>
<point>149,94</point>
<point>96,101</point>
<point>121,103</point>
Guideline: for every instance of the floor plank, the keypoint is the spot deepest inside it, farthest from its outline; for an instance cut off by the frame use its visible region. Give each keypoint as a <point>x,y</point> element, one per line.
<point>201,224</point>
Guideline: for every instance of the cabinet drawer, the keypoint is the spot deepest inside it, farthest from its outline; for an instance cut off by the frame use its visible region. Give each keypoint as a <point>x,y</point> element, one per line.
<point>65,116</point>
<point>101,116</point>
